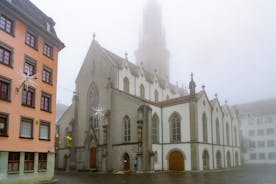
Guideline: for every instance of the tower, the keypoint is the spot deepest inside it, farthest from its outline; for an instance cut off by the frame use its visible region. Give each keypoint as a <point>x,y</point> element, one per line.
<point>152,49</point>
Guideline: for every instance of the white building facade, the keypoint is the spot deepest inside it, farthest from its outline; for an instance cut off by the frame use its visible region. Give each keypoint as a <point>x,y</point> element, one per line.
<point>258,130</point>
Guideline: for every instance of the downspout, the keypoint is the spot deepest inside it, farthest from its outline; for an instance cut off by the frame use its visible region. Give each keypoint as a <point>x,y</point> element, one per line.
<point>223,145</point>
<point>162,138</point>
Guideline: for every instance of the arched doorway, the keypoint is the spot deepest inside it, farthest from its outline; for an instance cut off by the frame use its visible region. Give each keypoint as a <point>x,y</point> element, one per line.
<point>218,157</point>
<point>176,161</point>
<point>205,159</point>
<point>93,158</point>
<point>228,160</point>
<point>237,158</point>
<point>126,162</point>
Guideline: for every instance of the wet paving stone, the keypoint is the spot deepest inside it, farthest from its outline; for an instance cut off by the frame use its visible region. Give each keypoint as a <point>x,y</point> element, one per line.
<point>264,174</point>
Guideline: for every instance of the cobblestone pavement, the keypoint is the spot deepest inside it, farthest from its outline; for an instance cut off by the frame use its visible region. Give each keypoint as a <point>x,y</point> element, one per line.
<point>265,174</point>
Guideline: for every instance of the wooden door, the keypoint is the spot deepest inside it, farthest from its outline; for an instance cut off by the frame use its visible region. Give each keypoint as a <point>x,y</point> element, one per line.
<point>126,162</point>
<point>176,161</point>
<point>93,158</point>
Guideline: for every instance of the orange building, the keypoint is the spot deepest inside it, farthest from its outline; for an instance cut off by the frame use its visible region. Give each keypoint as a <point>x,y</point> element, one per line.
<point>29,50</point>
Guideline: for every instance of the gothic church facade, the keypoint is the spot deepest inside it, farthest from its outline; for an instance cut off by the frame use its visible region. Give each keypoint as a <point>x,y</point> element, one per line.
<point>148,124</point>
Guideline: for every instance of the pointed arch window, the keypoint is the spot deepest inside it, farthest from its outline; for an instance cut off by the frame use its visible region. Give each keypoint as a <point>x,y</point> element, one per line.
<point>175,128</point>
<point>205,159</point>
<point>217,131</point>
<point>126,129</point>
<point>227,135</point>
<point>142,91</point>
<point>204,128</point>
<point>156,96</point>
<point>235,136</point>
<point>126,85</point>
<point>155,128</point>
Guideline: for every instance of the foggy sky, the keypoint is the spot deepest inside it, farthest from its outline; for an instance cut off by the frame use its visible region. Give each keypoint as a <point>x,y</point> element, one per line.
<point>229,45</point>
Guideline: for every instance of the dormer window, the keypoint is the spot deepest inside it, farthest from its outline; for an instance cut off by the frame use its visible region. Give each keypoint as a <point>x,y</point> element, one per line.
<point>48,27</point>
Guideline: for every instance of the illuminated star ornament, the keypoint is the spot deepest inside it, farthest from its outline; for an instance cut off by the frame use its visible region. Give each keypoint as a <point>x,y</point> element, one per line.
<point>98,111</point>
<point>27,80</point>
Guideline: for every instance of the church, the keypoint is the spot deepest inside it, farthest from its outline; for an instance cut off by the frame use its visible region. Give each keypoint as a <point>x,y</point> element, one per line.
<point>129,117</point>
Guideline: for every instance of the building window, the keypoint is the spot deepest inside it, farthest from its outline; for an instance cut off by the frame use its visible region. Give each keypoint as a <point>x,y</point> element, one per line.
<point>142,91</point>
<point>217,131</point>
<point>262,156</point>
<point>5,89</point>
<point>126,85</point>
<point>156,96</point>
<point>253,156</point>
<point>29,161</point>
<point>227,135</point>
<point>6,24</point>
<point>235,136</point>
<point>269,131</point>
<point>272,156</point>
<point>175,128</point>
<point>44,131</point>
<point>14,160</point>
<point>260,132</point>
<point>4,118</point>
<point>204,128</point>
<point>126,129</point>
<point>252,144</point>
<point>29,66</point>
<point>205,159</point>
<point>261,144</point>
<point>42,161</point>
<point>218,157</point>
<point>5,56</point>
<point>45,103</point>
<point>26,128</point>
<point>30,40</point>
<point>28,97</point>
<point>270,143</point>
<point>251,132</point>
<point>48,50</point>
<point>155,125</point>
<point>47,75</point>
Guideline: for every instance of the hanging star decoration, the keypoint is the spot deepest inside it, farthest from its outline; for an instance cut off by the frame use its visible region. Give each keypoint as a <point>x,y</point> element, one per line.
<point>98,111</point>
<point>27,80</point>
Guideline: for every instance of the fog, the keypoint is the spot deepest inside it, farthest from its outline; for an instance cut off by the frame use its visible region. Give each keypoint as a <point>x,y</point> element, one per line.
<point>229,45</point>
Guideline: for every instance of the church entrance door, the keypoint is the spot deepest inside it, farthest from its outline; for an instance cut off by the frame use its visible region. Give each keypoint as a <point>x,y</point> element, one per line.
<point>126,162</point>
<point>176,161</point>
<point>93,157</point>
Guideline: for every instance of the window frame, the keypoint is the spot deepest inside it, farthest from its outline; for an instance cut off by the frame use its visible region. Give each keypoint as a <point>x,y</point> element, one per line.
<point>26,120</point>
<point>13,161</point>
<point>32,62</point>
<point>43,98</point>
<point>42,160</point>
<point>49,48</point>
<point>29,161</point>
<point>48,124</point>
<point>6,124</point>
<point>25,103</point>
<point>32,35</point>
<point>12,22</point>
<point>127,129</point>
<point>175,131</point>
<point>47,70</point>
<point>7,82</point>
<point>5,49</point>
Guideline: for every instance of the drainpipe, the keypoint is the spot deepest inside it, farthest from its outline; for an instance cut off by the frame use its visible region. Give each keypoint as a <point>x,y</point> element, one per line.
<point>162,138</point>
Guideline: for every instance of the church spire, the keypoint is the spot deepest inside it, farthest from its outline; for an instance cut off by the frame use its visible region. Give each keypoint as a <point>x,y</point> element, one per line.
<point>152,45</point>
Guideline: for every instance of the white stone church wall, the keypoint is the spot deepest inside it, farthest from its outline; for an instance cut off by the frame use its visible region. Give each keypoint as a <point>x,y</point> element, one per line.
<point>183,111</point>
<point>201,149</point>
<point>204,107</point>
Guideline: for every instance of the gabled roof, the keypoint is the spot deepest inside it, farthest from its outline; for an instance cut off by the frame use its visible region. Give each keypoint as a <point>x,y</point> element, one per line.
<point>134,69</point>
<point>213,103</point>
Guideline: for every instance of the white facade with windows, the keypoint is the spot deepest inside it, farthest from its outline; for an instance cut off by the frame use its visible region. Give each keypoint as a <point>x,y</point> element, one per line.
<point>258,129</point>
